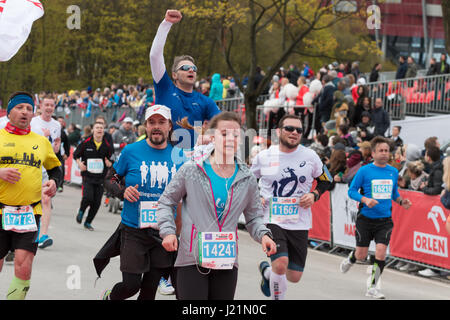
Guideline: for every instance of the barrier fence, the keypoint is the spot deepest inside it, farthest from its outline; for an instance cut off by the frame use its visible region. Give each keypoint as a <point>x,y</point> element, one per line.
<point>419,234</point>
<point>83,118</point>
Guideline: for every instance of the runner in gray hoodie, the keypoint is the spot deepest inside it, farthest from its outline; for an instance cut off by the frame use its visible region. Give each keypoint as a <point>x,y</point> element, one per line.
<point>207,251</point>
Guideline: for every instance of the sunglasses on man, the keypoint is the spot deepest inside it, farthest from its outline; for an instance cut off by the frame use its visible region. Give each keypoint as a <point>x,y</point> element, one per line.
<point>186,67</point>
<point>292,128</point>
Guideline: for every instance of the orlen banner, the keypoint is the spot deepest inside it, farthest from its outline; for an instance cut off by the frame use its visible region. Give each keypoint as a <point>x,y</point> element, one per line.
<point>344,212</point>
<point>16,19</point>
<point>419,233</point>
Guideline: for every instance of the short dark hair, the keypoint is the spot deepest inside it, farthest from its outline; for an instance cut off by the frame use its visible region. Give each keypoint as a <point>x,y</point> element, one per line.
<point>430,142</point>
<point>323,139</point>
<point>434,153</point>
<point>288,116</point>
<point>398,127</point>
<point>378,140</point>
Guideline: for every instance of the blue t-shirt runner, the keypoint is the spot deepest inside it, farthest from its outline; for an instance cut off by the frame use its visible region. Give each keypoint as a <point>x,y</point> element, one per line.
<point>182,103</point>
<point>151,169</point>
<point>379,183</point>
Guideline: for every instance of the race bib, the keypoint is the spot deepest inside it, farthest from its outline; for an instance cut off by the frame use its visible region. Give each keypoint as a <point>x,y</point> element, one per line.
<point>19,219</point>
<point>217,250</point>
<point>284,210</point>
<point>147,215</point>
<point>382,189</point>
<point>95,165</point>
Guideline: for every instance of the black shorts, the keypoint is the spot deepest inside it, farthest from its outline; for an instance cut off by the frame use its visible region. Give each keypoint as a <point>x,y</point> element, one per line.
<point>141,249</point>
<point>10,240</point>
<point>368,229</point>
<point>292,244</point>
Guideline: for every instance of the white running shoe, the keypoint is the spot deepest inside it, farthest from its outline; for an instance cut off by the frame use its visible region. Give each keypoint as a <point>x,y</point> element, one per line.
<point>165,287</point>
<point>428,273</point>
<point>375,293</point>
<point>346,264</point>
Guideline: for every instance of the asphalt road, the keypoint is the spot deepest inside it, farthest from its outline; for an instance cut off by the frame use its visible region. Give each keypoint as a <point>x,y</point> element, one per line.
<point>65,270</point>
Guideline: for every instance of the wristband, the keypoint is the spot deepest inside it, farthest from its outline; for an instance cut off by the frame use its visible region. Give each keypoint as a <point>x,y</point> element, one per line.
<point>316,196</point>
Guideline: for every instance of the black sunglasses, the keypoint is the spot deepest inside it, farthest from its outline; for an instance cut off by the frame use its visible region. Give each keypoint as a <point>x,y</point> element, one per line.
<point>186,67</point>
<point>291,129</point>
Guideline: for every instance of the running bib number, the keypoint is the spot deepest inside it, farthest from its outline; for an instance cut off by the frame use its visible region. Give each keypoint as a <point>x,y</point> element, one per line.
<point>95,165</point>
<point>147,215</point>
<point>217,250</point>
<point>19,219</point>
<point>284,210</point>
<point>382,189</point>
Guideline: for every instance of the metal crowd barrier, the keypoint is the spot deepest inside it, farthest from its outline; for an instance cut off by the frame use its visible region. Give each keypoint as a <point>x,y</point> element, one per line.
<point>77,115</point>
<point>414,96</point>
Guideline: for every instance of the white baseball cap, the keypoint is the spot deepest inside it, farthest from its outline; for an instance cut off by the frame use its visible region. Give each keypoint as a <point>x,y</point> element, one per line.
<point>128,119</point>
<point>158,109</point>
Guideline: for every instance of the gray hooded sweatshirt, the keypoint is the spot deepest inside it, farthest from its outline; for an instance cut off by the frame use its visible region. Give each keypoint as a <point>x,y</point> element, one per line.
<point>193,186</point>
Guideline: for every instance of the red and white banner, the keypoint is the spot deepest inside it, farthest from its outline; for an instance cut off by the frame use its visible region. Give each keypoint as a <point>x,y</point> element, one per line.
<point>16,20</point>
<point>344,215</point>
<point>419,233</point>
<point>321,218</point>
<point>72,172</point>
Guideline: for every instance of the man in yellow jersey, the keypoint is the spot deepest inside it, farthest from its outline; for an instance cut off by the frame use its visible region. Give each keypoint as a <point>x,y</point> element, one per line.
<point>22,155</point>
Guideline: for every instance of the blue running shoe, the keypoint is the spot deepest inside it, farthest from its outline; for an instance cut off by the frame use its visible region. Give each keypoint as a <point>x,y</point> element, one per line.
<point>80,216</point>
<point>265,284</point>
<point>45,241</point>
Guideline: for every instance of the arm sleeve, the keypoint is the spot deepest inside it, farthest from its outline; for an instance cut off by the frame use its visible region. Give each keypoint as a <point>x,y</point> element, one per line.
<point>55,174</point>
<point>253,214</point>
<point>173,193</point>
<point>324,181</point>
<point>157,63</point>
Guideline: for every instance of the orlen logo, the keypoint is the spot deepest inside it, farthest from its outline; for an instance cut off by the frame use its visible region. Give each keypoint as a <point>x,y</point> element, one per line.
<point>429,243</point>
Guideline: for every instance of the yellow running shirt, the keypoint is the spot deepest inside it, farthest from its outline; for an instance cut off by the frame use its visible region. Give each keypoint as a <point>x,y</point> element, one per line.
<point>28,153</point>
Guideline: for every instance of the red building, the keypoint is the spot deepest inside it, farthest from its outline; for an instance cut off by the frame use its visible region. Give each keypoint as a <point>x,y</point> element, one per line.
<point>411,27</point>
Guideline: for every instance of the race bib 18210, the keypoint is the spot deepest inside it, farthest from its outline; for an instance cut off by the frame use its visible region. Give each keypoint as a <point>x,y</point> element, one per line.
<point>382,189</point>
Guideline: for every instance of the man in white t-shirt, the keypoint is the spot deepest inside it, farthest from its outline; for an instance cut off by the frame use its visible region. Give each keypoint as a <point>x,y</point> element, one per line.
<point>286,173</point>
<point>3,121</point>
<point>48,127</point>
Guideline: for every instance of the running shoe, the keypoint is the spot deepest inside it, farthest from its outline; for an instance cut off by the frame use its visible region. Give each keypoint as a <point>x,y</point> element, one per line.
<point>346,264</point>
<point>60,189</point>
<point>428,273</point>
<point>375,293</point>
<point>45,241</point>
<point>105,294</point>
<point>10,257</point>
<point>80,216</point>
<point>88,226</point>
<point>165,287</point>
<point>265,283</point>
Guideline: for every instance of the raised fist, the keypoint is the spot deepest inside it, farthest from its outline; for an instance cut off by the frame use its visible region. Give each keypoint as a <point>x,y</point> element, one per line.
<point>173,16</point>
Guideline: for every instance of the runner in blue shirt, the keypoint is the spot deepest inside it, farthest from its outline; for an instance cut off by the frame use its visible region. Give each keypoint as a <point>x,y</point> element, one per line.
<point>179,95</point>
<point>374,186</point>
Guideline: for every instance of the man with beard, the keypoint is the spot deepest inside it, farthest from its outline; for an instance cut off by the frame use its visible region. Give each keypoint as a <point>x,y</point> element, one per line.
<point>378,182</point>
<point>143,260</point>
<point>287,172</point>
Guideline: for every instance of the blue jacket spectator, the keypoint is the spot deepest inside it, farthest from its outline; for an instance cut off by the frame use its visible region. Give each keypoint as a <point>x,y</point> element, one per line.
<point>216,92</point>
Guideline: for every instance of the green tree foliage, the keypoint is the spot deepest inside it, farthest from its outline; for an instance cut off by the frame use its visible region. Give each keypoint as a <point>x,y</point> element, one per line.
<point>230,37</point>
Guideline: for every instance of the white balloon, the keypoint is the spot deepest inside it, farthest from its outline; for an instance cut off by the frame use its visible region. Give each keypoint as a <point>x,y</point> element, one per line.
<point>291,91</point>
<point>307,99</point>
<point>315,86</point>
